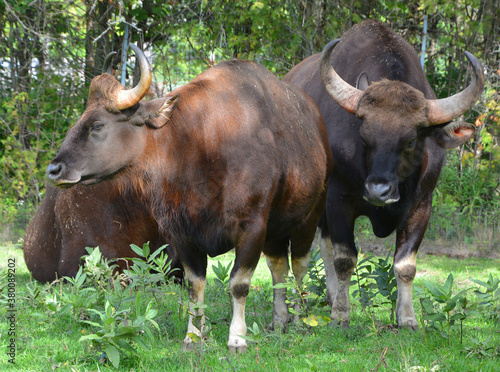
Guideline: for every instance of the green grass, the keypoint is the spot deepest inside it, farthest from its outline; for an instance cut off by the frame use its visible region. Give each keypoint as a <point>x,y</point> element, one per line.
<point>46,341</point>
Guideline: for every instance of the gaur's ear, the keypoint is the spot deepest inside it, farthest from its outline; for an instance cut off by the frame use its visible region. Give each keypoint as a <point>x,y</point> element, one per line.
<point>159,118</point>
<point>454,134</point>
<point>363,82</point>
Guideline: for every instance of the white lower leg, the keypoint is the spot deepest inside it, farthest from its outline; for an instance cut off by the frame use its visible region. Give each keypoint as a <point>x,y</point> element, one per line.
<point>339,266</point>
<point>238,326</point>
<point>404,271</point>
<point>239,284</point>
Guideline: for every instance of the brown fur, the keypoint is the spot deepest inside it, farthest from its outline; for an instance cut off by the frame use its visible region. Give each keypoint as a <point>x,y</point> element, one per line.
<point>396,97</point>
<point>68,220</point>
<point>240,161</point>
<point>104,90</point>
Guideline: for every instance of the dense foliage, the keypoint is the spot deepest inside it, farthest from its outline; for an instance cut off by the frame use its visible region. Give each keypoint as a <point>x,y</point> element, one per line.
<point>51,49</point>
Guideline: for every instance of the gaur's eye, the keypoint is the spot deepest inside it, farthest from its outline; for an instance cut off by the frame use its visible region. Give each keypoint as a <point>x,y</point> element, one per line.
<point>410,145</point>
<point>96,127</point>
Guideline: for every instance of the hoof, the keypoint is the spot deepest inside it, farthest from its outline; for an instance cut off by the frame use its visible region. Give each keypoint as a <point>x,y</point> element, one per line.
<point>237,349</point>
<point>237,345</point>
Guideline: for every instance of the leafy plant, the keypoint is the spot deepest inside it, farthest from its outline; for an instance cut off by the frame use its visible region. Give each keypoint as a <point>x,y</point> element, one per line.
<point>317,282</point>
<point>386,281</point>
<point>97,268</point>
<point>483,349</point>
<point>302,303</point>
<point>33,294</point>
<point>373,278</point>
<point>149,268</point>
<point>80,297</point>
<point>490,296</point>
<point>256,335</point>
<point>440,307</point>
<point>54,303</point>
<point>221,274</point>
<point>119,331</point>
<point>194,309</point>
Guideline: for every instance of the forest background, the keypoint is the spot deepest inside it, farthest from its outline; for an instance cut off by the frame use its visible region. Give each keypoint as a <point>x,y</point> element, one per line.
<point>51,49</point>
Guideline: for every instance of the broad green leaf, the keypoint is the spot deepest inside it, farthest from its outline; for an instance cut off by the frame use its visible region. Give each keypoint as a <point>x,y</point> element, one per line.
<point>125,346</point>
<point>157,252</point>
<point>137,250</point>
<point>448,285</point>
<point>458,316</point>
<point>145,249</point>
<point>92,336</point>
<point>450,305</point>
<point>437,292</point>
<point>281,285</point>
<point>113,355</point>
<point>92,323</point>
<point>428,306</point>
<point>480,282</point>
<point>141,343</point>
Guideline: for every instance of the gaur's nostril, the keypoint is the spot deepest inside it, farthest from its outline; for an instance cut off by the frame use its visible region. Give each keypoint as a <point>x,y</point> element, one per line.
<point>379,190</point>
<point>385,191</point>
<point>380,193</point>
<point>54,171</point>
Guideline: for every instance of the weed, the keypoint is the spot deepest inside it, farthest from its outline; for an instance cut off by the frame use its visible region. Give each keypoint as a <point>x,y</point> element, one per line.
<point>119,331</point>
<point>381,271</point>
<point>302,302</point>
<point>483,349</point>
<point>440,307</point>
<point>490,298</point>
<point>151,268</point>
<point>366,289</point>
<point>317,283</point>
<point>97,268</point>
<point>221,279</point>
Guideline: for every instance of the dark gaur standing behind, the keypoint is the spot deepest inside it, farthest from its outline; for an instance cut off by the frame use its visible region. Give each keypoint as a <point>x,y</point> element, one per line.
<point>234,158</point>
<point>388,135</point>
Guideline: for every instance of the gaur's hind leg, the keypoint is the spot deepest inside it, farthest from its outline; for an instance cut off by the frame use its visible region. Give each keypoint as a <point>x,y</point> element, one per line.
<point>340,258</point>
<point>247,257</point>
<point>300,247</point>
<point>277,261</point>
<point>195,267</point>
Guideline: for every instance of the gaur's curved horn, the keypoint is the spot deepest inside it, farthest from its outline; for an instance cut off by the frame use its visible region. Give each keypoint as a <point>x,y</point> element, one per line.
<point>447,109</point>
<point>128,98</point>
<point>343,93</point>
<point>107,67</point>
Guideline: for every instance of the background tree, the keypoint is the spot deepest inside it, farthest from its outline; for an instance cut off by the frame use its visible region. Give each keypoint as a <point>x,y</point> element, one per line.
<point>51,49</point>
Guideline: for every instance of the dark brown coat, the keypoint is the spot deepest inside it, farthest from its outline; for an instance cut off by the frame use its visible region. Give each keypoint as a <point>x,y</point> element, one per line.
<point>69,220</point>
<point>388,137</point>
<point>233,159</point>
